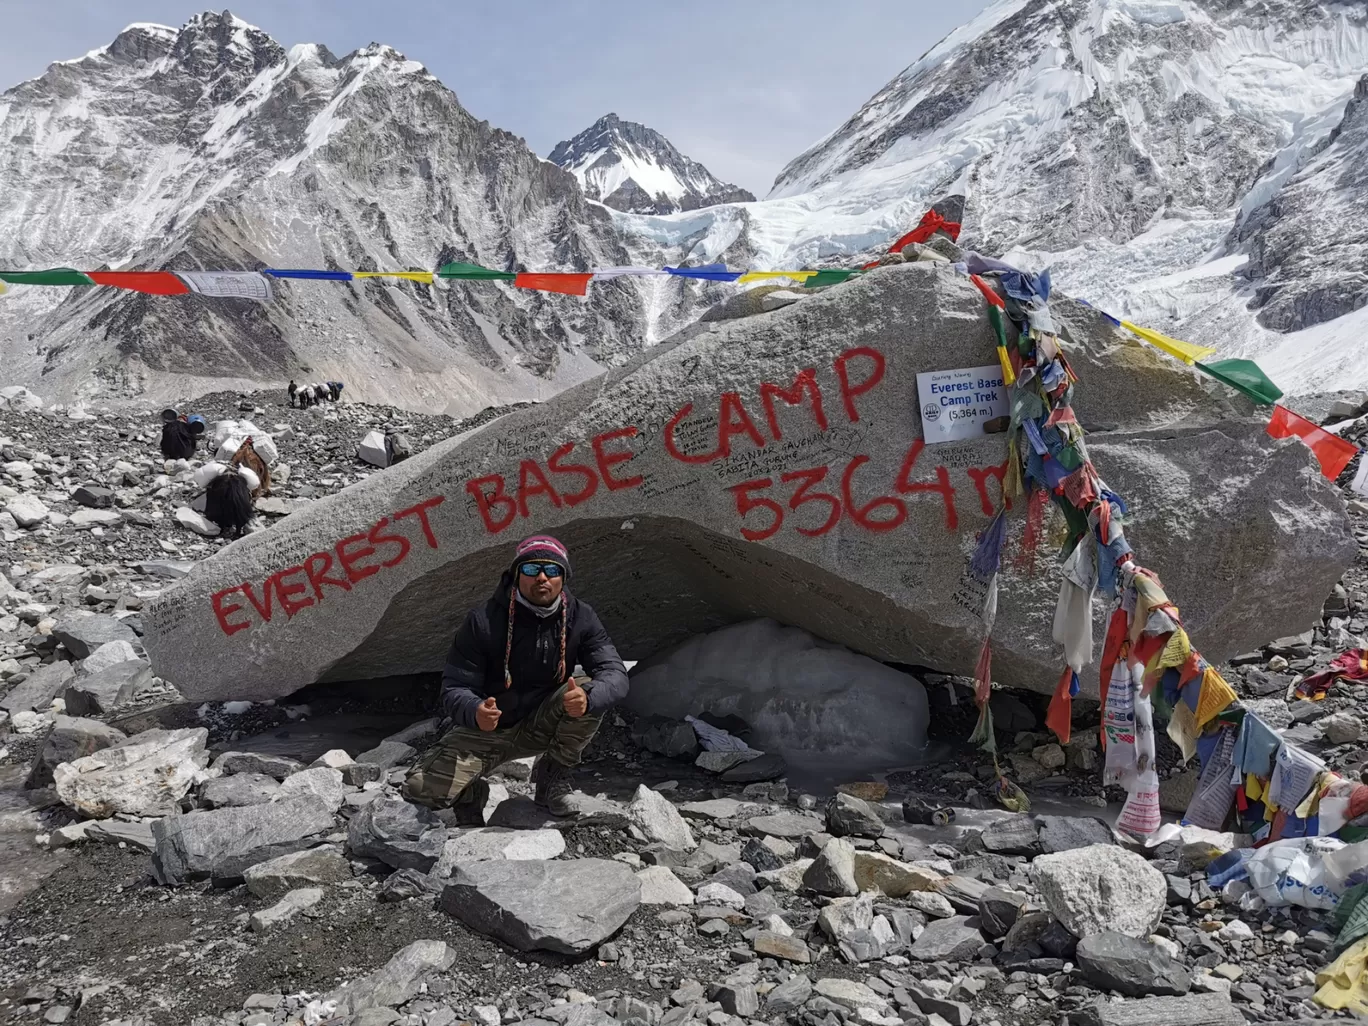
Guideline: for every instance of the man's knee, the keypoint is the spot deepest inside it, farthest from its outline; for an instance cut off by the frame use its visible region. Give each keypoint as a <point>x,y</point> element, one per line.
<point>443,774</point>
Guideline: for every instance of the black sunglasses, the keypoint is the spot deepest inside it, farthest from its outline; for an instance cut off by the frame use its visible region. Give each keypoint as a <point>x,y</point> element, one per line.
<point>533,569</point>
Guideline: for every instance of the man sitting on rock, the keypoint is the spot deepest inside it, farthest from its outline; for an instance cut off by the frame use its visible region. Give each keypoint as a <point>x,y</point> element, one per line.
<point>508,688</point>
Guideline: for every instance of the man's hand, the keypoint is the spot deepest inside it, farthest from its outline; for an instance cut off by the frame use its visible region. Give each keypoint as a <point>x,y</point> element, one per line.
<point>576,700</point>
<point>487,714</point>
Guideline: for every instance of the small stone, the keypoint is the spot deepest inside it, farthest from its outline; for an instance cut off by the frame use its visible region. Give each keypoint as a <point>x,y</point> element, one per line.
<point>286,909</point>
<point>788,996</point>
<point>1130,966</point>
<point>1051,756</point>
<point>847,816</point>
<point>833,871</point>
<point>956,939</point>
<point>1342,728</point>
<point>654,815</point>
<point>1236,930</point>
<point>787,948</point>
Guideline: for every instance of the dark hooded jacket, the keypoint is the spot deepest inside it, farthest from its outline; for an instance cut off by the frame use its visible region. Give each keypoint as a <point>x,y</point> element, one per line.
<point>475,665</point>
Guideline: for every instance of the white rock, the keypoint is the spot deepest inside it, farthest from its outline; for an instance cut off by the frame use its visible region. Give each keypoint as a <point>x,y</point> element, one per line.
<point>1236,930</point>
<point>1099,888</point>
<point>775,923</point>
<point>91,517</point>
<point>147,775</point>
<point>720,894</point>
<point>286,908</point>
<point>654,815</point>
<point>27,510</point>
<point>659,886</point>
<point>787,878</point>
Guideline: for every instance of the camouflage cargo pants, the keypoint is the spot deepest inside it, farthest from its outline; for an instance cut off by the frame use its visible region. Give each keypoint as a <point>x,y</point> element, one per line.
<point>446,770</point>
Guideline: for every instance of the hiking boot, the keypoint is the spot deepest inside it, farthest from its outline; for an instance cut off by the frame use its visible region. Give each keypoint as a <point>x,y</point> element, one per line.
<point>555,784</point>
<point>469,807</point>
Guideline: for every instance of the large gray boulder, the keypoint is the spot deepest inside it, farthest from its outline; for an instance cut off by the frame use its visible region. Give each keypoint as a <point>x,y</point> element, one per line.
<point>107,690</point>
<point>398,833</point>
<point>71,738</point>
<point>567,906</point>
<point>223,843</point>
<point>146,775</point>
<point>667,478</point>
<point>37,691</point>
<point>83,633</point>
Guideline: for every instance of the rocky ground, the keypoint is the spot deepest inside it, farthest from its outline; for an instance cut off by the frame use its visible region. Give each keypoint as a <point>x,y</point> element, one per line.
<point>300,889</point>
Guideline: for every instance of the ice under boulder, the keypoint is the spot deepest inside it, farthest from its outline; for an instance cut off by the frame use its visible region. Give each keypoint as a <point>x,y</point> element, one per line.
<point>805,698</point>
<point>227,435</point>
<point>772,466</point>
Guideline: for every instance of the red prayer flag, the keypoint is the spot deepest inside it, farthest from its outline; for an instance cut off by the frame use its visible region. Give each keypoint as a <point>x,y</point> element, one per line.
<point>988,292</point>
<point>1059,717</point>
<point>566,284</point>
<point>931,223</point>
<point>1333,452</point>
<point>153,283</point>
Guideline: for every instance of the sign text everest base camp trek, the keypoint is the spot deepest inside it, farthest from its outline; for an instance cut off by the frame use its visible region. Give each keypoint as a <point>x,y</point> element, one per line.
<point>773,465</point>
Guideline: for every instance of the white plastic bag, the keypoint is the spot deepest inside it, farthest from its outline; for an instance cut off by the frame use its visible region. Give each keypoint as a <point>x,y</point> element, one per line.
<point>1293,872</point>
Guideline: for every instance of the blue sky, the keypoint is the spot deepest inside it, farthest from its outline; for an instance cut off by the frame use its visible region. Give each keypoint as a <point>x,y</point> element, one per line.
<point>743,87</point>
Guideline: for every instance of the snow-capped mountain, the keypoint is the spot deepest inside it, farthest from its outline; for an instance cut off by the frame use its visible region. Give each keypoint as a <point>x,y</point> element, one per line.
<point>632,168</point>
<point>1174,160</point>
<point>212,146</point>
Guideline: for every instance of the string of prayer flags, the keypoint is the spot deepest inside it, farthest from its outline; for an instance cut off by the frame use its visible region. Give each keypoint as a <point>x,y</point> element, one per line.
<point>228,284</point>
<point>1333,452</point>
<point>608,273</point>
<point>153,283</point>
<point>54,276</point>
<point>276,272</point>
<point>473,272</point>
<point>565,284</point>
<point>1243,376</point>
<point>1188,352</point>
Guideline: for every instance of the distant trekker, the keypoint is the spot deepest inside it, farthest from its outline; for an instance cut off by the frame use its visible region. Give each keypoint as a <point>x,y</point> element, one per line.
<point>508,688</point>
<point>293,389</point>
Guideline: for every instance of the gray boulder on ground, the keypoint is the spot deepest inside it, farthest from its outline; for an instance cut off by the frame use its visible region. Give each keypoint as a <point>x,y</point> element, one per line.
<point>277,766</point>
<point>847,816</point>
<point>1065,833</point>
<point>1190,1010</point>
<point>657,818</point>
<point>107,690</point>
<point>681,426</point>
<point>397,981</point>
<point>398,833</point>
<point>221,844</point>
<point>1100,888</point>
<point>83,633</point>
<point>313,867</point>
<point>564,906</point>
<point>37,691</point>
<point>957,939</point>
<point>833,870</point>
<point>1130,966</point>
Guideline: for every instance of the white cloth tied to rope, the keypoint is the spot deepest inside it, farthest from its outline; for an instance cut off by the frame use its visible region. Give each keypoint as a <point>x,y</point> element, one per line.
<point>715,739</point>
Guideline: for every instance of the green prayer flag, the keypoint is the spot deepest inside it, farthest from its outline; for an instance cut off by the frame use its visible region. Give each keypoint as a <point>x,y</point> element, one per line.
<point>1352,916</point>
<point>832,277</point>
<point>55,276</point>
<point>1244,376</point>
<point>473,272</point>
<point>999,329</point>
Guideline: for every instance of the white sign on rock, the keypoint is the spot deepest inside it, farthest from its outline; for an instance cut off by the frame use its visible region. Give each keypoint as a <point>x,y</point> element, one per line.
<point>967,403</point>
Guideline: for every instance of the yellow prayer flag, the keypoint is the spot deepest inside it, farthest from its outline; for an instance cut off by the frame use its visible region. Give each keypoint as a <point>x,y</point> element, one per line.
<point>1008,376</point>
<point>765,275</point>
<point>1216,696</point>
<point>1185,351</point>
<point>3,288</point>
<point>424,277</point>
<point>1183,731</point>
<point>1344,982</point>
